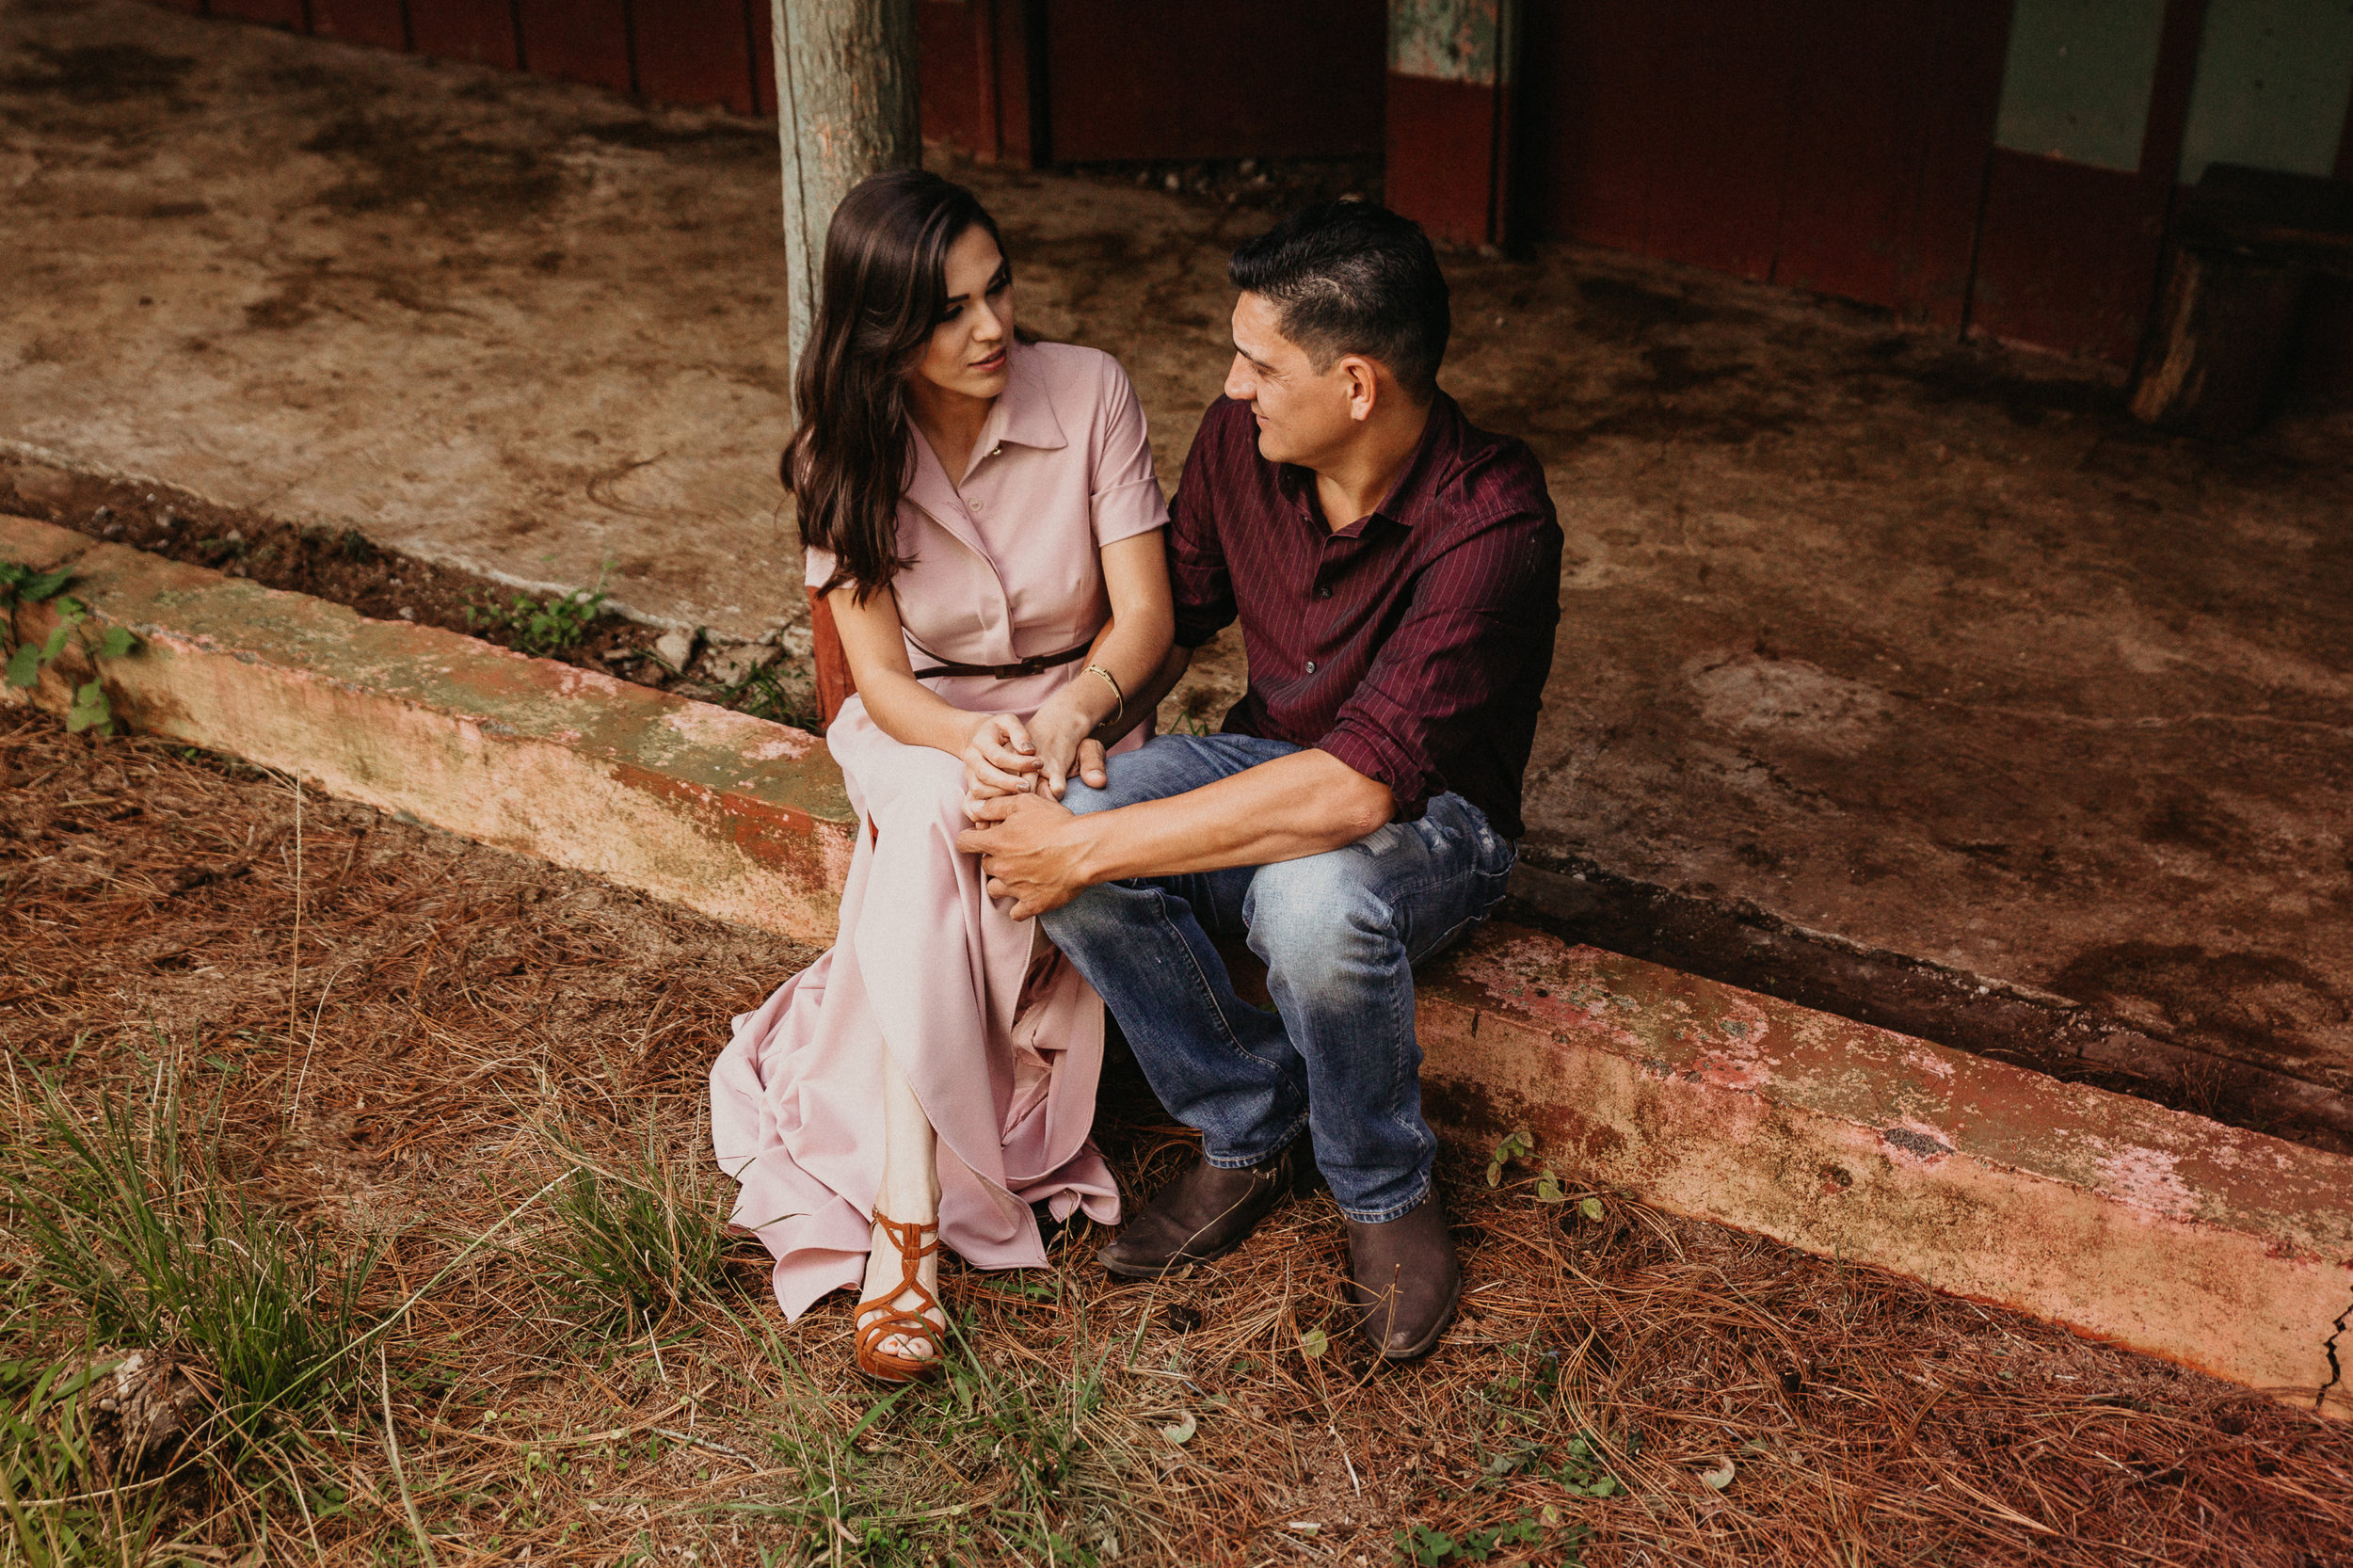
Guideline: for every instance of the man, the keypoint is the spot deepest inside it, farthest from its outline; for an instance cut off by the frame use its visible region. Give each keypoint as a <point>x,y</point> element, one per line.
<point>1397,575</point>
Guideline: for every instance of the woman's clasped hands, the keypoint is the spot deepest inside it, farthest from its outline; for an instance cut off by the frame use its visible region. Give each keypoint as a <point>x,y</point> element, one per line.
<point>1005,756</point>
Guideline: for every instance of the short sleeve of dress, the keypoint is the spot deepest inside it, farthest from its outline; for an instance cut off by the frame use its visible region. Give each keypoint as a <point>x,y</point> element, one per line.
<point>1126,494</point>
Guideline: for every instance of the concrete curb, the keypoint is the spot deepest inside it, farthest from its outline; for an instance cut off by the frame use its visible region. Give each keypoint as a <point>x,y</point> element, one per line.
<point>2218,1248</point>
<point>2211,1246</point>
<point>736,817</point>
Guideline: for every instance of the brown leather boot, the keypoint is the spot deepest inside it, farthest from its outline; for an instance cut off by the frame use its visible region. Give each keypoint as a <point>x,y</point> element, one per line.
<point>1403,1280</point>
<point>1205,1213</point>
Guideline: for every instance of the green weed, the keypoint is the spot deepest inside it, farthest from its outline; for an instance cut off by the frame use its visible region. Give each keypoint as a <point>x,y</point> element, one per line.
<point>18,585</point>
<point>134,1216</point>
<point>542,627</point>
<point>633,1239</point>
<point>764,696</point>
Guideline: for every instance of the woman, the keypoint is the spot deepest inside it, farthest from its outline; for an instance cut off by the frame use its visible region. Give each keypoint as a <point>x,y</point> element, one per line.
<point>981,517</point>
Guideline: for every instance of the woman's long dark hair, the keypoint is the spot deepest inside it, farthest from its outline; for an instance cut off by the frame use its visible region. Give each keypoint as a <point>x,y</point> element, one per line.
<point>883,289</point>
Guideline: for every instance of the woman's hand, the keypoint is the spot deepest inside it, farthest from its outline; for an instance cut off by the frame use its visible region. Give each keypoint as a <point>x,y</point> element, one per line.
<point>1000,758</point>
<point>1063,730</point>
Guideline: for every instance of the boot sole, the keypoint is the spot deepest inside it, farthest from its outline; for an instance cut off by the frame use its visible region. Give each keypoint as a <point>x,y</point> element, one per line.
<point>1182,1260</point>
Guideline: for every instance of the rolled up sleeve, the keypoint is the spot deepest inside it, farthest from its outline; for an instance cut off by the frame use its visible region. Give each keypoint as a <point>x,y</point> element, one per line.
<point>1124,493</point>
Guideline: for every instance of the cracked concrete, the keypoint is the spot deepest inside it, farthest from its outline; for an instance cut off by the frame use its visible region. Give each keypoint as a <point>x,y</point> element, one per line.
<point>1919,646</point>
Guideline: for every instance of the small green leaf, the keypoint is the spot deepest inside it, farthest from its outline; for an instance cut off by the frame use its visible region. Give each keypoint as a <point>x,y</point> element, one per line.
<point>1180,1430</point>
<point>90,709</point>
<point>117,642</point>
<point>1718,1479</point>
<point>35,589</point>
<point>24,665</point>
<point>1494,1172</point>
<point>56,645</point>
<point>1548,1189</point>
<point>1590,1208</point>
<point>1314,1343</point>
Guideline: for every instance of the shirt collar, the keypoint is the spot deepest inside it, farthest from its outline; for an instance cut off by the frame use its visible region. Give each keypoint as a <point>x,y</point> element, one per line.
<point>1024,411</point>
<point>1415,493</point>
<point>1411,498</point>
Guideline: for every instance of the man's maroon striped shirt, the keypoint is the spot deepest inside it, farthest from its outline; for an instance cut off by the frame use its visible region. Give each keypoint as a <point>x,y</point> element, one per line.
<point>1413,644</point>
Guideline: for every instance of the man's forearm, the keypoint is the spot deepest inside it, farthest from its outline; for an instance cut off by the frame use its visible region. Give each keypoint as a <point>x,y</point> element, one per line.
<point>1296,806</point>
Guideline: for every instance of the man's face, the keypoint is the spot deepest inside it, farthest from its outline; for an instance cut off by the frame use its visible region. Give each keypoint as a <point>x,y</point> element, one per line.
<point>1301,416</point>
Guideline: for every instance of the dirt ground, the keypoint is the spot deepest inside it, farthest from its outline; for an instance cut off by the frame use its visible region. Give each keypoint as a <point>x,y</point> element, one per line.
<point>412,1036</point>
<point>1916,649</point>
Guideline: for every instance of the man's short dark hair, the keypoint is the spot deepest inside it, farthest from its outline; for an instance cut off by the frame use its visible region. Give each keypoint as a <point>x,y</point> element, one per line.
<point>1353,278</point>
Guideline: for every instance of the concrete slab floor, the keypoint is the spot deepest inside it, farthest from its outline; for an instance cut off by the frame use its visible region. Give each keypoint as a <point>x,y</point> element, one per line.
<point>1919,645</point>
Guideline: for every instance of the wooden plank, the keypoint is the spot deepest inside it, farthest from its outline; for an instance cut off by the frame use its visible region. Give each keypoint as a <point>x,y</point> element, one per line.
<point>580,40</point>
<point>1894,114</point>
<point>1723,143</point>
<point>1856,148</point>
<point>1966,98</point>
<point>697,51</point>
<point>1441,167</point>
<point>377,22</point>
<point>945,48</point>
<point>1216,78</point>
<point>2068,256</point>
<point>764,59</point>
<point>1590,106</point>
<point>478,31</point>
<point>269,13</point>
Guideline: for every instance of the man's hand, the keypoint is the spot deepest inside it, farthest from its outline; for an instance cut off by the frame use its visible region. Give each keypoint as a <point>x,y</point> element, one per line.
<point>1027,851</point>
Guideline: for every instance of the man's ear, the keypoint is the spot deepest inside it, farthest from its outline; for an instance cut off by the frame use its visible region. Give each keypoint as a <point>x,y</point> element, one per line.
<point>1364,386</point>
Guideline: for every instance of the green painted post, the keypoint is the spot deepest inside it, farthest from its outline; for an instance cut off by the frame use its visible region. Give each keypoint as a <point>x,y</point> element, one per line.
<point>846,108</point>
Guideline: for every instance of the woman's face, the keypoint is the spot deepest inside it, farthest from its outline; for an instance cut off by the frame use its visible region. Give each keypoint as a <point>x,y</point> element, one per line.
<point>966,353</point>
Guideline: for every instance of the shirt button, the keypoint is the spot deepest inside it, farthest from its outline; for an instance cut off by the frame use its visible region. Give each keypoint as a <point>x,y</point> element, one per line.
<point>1311,666</point>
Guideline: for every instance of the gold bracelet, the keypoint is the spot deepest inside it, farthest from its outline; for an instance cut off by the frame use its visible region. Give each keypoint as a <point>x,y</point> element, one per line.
<point>1097,669</point>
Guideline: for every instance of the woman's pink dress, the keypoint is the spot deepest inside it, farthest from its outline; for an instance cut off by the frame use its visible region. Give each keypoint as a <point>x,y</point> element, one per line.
<point>998,1034</point>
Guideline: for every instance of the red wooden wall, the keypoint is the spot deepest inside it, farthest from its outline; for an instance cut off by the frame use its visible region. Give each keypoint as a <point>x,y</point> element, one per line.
<point>1842,145</point>
<point>1834,145</point>
<point>2069,254</point>
<point>1184,79</point>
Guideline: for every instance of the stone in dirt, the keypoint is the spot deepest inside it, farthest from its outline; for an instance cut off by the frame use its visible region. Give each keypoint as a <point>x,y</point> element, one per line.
<point>138,1408</point>
<point>732,664</point>
<point>675,649</point>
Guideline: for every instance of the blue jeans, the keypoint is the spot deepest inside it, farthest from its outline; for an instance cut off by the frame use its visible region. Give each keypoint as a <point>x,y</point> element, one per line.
<point>1339,933</point>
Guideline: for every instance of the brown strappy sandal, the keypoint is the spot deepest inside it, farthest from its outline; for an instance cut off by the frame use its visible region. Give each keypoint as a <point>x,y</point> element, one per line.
<point>872,1359</point>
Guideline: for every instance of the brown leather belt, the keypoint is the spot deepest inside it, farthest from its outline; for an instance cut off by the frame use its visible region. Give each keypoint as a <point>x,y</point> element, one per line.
<point>1033,665</point>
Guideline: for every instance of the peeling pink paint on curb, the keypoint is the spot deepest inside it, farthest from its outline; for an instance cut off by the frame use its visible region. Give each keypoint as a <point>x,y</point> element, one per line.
<point>2220,1249</point>
<point>734,816</point>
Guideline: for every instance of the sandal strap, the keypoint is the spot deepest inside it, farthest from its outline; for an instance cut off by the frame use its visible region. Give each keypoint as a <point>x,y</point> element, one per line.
<point>909,1235</point>
<point>891,1319</point>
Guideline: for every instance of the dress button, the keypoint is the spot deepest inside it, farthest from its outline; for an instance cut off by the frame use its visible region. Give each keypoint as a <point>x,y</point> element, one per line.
<point>1311,666</point>
<point>1324,593</point>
